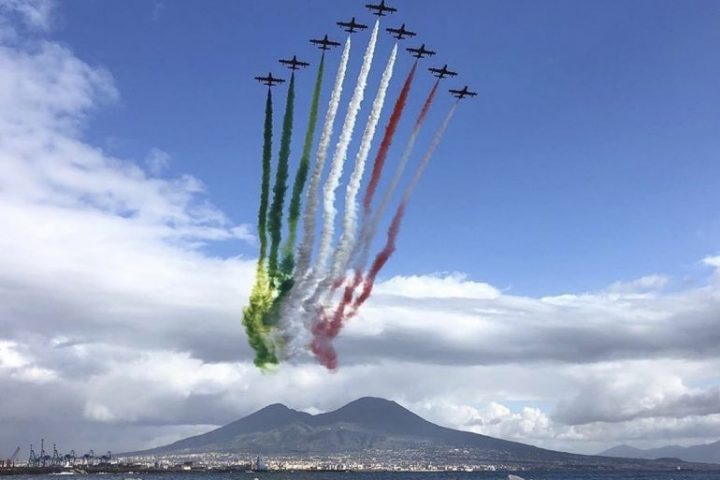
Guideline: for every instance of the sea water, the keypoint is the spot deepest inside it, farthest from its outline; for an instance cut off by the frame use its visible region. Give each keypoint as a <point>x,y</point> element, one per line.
<point>548,475</point>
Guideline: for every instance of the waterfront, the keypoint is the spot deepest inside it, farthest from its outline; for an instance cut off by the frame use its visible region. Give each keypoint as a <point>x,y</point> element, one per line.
<point>536,475</point>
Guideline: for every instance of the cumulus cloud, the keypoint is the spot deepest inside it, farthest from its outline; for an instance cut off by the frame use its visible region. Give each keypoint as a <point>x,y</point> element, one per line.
<point>585,328</point>
<point>455,285</point>
<point>644,284</point>
<point>712,261</point>
<point>104,282</point>
<point>94,246</point>
<point>619,394</point>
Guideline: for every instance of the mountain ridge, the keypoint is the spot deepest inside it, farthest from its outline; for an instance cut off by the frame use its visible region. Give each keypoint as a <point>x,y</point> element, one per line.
<point>372,426</point>
<point>703,453</point>
<point>378,418</point>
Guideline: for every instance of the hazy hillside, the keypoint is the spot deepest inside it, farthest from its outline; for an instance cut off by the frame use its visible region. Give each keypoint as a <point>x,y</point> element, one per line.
<point>707,453</point>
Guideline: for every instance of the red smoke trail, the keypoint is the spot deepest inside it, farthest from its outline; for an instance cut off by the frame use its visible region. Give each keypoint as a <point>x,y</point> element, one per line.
<point>381,155</point>
<point>416,129</point>
<point>347,299</point>
<point>387,139</point>
<point>426,106</point>
<point>324,331</point>
<point>381,259</point>
<point>389,249</point>
<point>328,328</point>
<point>369,229</point>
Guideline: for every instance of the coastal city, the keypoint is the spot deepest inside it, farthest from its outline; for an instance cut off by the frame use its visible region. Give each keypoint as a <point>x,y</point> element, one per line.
<point>380,460</point>
<point>370,460</point>
<point>54,461</point>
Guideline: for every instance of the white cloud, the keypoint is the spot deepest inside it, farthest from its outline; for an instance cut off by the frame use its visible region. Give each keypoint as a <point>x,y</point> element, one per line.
<point>97,412</point>
<point>10,357</point>
<point>644,284</point>
<point>17,365</point>
<point>712,261</point>
<point>446,286</point>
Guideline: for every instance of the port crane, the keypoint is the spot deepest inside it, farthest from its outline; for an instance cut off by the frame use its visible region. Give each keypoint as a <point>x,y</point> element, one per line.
<point>70,458</point>
<point>33,459</point>
<point>10,462</point>
<point>105,459</point>
<point>56,458</point>
<point>44,456</point>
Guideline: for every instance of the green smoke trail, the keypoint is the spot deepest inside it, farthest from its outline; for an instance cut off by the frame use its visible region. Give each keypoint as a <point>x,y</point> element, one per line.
<point>281,176</point>
<point>265,187</point>
<point>285,276</point>
<point>261,299</point>
<point>288,262</point>
<point>261,295</point>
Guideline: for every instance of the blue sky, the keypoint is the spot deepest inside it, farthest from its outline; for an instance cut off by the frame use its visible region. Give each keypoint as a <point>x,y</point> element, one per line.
<point>589,155</point>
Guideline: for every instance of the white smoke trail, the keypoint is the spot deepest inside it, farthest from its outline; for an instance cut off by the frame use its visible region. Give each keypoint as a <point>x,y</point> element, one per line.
<point>288,327</point>
<point>336,168</point>
<point>394,229</point>
<point>319,270</point>
<point>305,250</point>
<point>348,238</point>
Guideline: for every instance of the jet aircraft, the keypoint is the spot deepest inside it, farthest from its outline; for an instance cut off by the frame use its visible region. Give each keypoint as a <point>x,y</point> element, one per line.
<point>460,94</point>
<point>324,43</point>
<point>270,81</point>
<point>401,32</point>
<point>294,63</point>
<point>351,26</point>
<point>421,52</point>
<point>380,8</point>
<point>442,72</point>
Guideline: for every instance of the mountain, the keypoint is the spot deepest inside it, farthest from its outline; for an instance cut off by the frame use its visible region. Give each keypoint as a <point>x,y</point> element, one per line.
<point>374,427</point>
<point>367,423</point>
<point>706,453</point>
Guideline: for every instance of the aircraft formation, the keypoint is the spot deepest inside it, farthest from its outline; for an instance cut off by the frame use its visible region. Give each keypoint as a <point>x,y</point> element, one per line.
<point>310,282</point>
<point>352,26</point>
